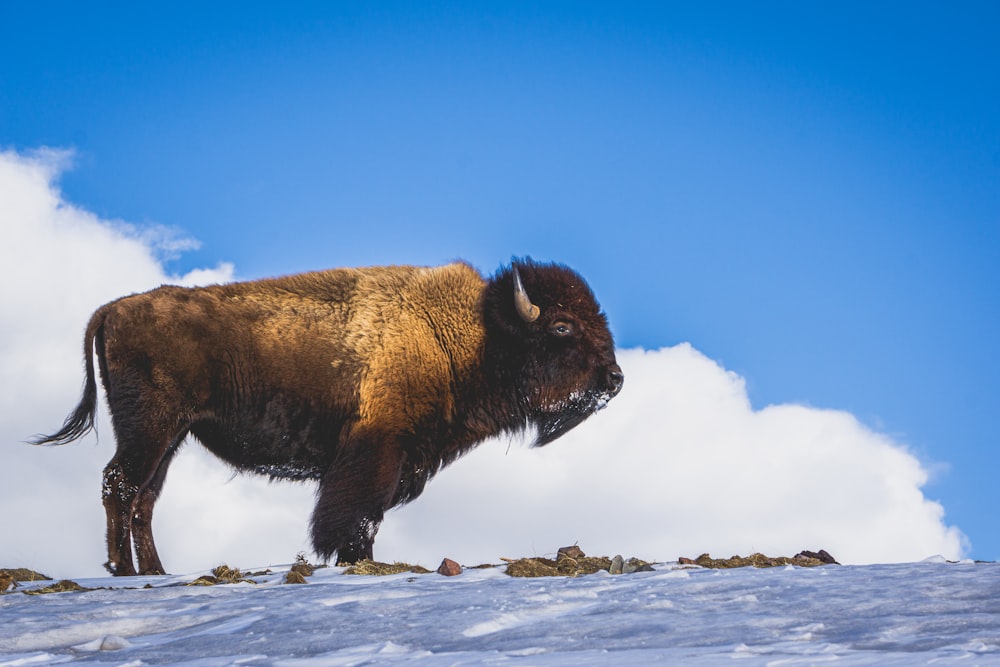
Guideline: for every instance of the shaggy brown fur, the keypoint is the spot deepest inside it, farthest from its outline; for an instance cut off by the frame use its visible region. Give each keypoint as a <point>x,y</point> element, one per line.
<point>366,380</point>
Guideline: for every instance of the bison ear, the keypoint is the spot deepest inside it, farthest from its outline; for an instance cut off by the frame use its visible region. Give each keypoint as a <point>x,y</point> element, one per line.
<point>528,311</point>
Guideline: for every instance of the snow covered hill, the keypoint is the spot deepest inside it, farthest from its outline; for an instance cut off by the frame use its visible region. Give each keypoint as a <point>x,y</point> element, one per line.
<point>906,614</point>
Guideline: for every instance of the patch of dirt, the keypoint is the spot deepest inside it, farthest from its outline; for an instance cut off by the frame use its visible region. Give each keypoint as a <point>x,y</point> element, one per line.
<point>563,567</point>
<point>224,574</point>
<point>64,586</point>
<point>571,562</point>
<point>802,559</point>
<point>9,577</point>
<point>299,571</point>
<point>371,567</point>
<point>294,577</point>
<point>23,574</point>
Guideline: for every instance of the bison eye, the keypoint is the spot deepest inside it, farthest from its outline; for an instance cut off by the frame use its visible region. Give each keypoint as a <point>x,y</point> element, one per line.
<point>561,329</point>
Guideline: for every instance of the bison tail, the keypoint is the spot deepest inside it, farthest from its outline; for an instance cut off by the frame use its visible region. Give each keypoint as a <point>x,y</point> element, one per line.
<point>81,420</point>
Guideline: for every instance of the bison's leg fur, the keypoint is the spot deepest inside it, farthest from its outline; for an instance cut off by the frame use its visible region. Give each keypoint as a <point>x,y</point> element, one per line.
<point>146,441</point>
<point>131,487</point>
<point>353,497</point>
<point>361,546</point>
<point>118,495</point>
<point>142,519</point>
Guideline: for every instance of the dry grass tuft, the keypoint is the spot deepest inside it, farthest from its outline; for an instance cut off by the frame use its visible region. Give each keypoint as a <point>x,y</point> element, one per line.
<point>64,586</point>
<point>294,577</point>
<point>299,571</point>
<point>754,560</point>
<point>24,574</point>
<point>371,567</point>
<point>562,567</point>
<point>570,562</point>
<point>223,574</point>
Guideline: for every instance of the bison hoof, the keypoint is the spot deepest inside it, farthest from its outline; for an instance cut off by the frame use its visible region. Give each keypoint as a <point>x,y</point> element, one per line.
<point>120,569</point>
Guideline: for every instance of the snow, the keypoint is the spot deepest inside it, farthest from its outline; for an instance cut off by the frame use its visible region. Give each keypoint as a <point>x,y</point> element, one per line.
<point>901,614</point>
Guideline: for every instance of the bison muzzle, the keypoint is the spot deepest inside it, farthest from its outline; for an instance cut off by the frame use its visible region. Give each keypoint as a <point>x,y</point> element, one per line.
<point>367,381</point>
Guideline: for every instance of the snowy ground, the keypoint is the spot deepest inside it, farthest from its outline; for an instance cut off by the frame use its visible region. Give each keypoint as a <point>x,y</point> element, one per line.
<point>908,614</point>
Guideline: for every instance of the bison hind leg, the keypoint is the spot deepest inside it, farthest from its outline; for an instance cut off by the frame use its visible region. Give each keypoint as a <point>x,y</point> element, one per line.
<point>132,482</point>
<point>119,495</point>
<point>142,518</point>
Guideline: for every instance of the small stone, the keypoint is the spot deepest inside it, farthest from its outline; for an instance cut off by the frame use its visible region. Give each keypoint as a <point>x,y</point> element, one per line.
<point>822,556</point>
<point>574,552</point>
<point>636,565</point>
<point>617,565</point>
<point>449,568</point>
<point>685,561</point>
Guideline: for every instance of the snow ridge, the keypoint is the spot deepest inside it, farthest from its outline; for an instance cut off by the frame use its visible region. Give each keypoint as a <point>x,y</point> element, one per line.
<point>886,614</point>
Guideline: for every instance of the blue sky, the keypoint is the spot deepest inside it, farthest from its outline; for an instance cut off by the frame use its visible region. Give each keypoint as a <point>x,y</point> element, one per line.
<point>807,193</point>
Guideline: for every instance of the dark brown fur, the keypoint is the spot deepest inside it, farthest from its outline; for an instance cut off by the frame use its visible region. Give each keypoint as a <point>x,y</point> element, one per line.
<point>365,380</point>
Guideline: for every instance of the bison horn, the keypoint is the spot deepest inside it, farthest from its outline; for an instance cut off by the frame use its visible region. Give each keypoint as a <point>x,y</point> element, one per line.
<point>528,311</point>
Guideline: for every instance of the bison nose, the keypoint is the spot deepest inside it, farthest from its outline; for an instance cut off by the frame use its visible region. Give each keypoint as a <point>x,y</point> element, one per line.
<point>615,379</point>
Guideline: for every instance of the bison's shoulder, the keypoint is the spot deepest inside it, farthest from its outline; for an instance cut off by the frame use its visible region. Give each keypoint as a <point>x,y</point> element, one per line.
<point>420,333</point>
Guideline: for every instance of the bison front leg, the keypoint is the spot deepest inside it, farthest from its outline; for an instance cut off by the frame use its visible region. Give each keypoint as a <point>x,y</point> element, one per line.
<point>353,497</point>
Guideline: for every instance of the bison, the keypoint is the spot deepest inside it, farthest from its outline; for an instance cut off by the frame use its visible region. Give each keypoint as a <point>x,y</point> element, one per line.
<point>366,380</point>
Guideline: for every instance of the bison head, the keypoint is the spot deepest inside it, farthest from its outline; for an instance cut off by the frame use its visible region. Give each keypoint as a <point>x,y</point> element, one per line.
<point>551,342</point>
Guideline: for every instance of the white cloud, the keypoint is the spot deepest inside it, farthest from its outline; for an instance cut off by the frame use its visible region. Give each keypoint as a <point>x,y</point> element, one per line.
<point>57,264</point>
<point>678,464</point>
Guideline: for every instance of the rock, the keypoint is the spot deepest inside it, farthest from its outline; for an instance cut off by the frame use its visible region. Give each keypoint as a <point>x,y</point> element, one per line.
<point>621,566</point>
<point>574,552</point>
<point>449,568</point>
<point>617,565</point>
<point>636,565</point>
<point>822,556</point>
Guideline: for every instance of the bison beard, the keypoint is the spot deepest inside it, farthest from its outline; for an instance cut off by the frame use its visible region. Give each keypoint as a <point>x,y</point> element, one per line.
<point>368,381</point>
